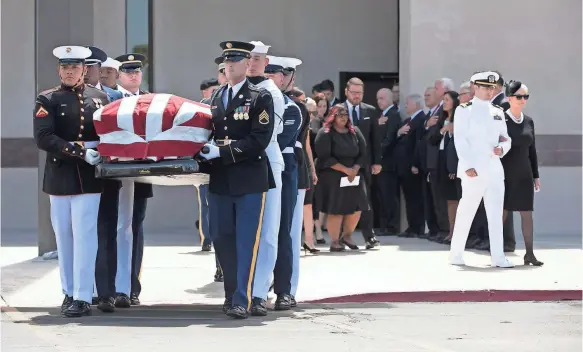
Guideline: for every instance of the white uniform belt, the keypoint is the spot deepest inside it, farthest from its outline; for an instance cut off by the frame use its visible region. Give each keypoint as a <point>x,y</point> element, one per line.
<point>288,150</point>
<point>298,144</point>
<point>86,144</point>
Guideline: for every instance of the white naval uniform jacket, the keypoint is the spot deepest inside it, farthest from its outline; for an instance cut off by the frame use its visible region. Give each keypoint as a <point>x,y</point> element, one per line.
<point>478,128</point>
<point>273,151</point>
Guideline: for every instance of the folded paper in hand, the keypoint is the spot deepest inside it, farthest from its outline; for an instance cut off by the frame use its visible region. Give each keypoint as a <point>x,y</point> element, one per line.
<point>345,183</point>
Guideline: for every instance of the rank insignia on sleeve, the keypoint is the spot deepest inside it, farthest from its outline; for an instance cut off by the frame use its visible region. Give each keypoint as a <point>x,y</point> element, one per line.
<point>41,112</point>
<point>264,118</point>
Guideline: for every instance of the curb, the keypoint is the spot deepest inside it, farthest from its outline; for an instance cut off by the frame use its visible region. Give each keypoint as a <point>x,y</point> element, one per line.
<point>457,296</point>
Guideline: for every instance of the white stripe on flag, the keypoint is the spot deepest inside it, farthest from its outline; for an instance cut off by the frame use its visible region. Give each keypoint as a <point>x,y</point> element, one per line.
<point>184,133</point>
<point>187,111</point>
<point>154,115</point>
<point>120,137</point>
<point>97,114</point>
<point>125,113</point>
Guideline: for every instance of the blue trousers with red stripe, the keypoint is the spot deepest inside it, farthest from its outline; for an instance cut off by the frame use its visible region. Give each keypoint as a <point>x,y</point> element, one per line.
<point>235,229</point>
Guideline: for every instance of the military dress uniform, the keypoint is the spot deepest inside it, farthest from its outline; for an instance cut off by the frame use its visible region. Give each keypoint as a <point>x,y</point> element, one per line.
<point>268,246</point>
<point>239,179</point>
<point>63,127</point>
<point>133,201</point>
<point>479,128</point>
<point>283,258</point>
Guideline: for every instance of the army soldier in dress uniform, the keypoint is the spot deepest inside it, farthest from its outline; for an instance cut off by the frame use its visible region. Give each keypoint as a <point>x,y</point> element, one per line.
<point>133,198</point>
<point>240,176</point>
<point>481,140</point>
<point>63,127</point>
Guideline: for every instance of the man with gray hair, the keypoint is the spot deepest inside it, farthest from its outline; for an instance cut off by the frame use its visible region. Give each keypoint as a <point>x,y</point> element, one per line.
<point>466,92</point>
<point>409,176</point>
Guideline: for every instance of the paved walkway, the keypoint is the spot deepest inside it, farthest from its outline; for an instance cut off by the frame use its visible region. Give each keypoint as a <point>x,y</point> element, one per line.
<point>176,272</point>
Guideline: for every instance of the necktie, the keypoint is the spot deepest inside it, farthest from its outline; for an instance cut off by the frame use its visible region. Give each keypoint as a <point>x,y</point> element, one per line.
<point>230,99</point>
<point>354,116</point>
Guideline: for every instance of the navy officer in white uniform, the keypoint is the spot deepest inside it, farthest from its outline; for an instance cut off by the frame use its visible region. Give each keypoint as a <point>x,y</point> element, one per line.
<point>481,140</point>
<point>63,128</point>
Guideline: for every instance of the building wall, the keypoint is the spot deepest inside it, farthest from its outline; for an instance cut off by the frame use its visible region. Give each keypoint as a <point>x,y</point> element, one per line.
<point>540,45</point>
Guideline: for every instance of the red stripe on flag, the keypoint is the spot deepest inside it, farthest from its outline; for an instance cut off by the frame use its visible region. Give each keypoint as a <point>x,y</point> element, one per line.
<point>174,104</point>
<point>200,120</point>
<point>134,150</point>
<point>108,121</point>
<point>173,148</point>
<point>140,112</point>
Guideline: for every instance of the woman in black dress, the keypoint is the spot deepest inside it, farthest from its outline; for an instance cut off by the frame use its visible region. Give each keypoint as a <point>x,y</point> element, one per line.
<point>521,166</point>
<point>341,150</point>
<point>440,137</point>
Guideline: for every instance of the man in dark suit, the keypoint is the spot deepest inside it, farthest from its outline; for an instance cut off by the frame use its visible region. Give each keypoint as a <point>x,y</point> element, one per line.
<point>410,176</point>
<point>327,87</point>
<point>364,117</point>
<point>389,192</point>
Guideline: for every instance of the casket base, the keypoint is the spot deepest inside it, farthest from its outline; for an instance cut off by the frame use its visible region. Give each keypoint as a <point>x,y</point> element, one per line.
<point>163,173</point>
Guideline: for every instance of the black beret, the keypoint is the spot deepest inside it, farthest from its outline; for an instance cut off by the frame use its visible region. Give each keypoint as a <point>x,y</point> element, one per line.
<point>207,83</point>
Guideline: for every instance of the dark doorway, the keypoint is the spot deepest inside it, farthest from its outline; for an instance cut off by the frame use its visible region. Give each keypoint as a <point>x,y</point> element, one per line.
<point>373,81</point>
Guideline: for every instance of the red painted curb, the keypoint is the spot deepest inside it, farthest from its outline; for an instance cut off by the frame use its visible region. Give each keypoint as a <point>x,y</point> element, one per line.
<point>457,296</point>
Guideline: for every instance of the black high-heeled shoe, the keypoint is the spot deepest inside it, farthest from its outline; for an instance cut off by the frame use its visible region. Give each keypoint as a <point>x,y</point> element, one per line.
<point>349,245</point>
<point>321,241</point>
<point>531,260</point>
<point>309,249</point>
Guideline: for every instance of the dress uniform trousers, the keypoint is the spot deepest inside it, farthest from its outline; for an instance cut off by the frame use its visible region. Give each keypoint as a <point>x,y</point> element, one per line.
<point>282,274</point>
<point>235,227</point>
<point>74,220</point>
<point>490,187</point>
<point>268,245</point>
<point>139,215</point>
<point>203,216</point>
<point>296,235</point>
<point>125,238</point>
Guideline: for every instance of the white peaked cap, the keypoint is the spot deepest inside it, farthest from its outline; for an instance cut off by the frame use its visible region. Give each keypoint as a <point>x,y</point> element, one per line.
<point>277,61</point>
<point>72,52</point>
<point>111,63</point>
<point>291,62</point>
<point>486,77</point>
<point>260,48</point>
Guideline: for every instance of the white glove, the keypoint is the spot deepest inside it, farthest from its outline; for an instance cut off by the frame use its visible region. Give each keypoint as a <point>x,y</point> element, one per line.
<point>92,157</point>
<point>213,152</point>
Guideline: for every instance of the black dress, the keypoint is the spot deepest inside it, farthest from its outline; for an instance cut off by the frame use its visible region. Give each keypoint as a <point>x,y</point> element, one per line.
<point>347,149</point>
<point>313,128</point>
<point>520,165</point>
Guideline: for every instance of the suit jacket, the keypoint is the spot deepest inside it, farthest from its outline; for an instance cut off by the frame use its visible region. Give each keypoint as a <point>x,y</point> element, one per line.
<point>368,125</point>
<point>421,148</point>
<point>389,138</point>
<point>405,150</point>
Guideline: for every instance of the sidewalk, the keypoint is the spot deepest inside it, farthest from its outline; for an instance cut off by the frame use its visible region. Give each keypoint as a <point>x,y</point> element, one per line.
<point>403,270</point>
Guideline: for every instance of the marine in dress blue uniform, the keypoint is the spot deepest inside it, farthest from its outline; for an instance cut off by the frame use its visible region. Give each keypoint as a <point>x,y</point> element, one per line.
<point>63,127</point>
<point>282,272</point>
<point>133,201</point>
<point>242,117</point>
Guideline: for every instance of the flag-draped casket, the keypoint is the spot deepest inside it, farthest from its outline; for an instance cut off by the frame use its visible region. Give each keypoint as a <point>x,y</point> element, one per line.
<point>146,134</point>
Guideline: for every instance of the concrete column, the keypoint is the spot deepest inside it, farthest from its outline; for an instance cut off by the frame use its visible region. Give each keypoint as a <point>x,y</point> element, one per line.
<point>58,22</point>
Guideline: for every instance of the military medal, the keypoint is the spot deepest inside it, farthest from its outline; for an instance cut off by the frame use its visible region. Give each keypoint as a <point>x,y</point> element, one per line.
<point>246,114</point>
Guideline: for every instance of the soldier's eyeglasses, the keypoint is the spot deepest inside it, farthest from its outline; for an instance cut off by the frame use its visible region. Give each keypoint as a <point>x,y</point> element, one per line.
<point>522,96</point>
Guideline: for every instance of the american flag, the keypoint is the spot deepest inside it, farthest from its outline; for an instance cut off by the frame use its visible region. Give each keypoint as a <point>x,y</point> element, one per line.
<point>152,126</point>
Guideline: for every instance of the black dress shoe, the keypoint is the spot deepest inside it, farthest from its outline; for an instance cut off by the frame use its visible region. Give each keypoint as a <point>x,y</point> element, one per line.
<point>283,302</point>
<point>134,299</point>
<point>219,275</point>
<point>321,241</point>
<point>228,304</point>
<point>473,242</point>
<point>78,309</point>
<point>294,303</point>
<point>258,308</point>
<point>509,249</point>
<point>483,246</point>
<point>94,301</point>
<point>406,234</point>
<point>207,247</point>
<point>66,303</point>
<point>122,300</point>
<point>107,305</point>
<point>237,312</point>
<point>425,235</point>
<point>372,242</point>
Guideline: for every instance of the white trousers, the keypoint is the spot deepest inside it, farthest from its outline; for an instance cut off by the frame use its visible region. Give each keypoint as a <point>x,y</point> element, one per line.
<point>74,220</point>
<point>125,238</point>
<point>267,255</point>
<point>296,235</point>
<point>491,189</point>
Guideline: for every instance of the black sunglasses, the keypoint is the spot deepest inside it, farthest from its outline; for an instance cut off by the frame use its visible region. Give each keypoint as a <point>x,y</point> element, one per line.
<point>521,96</point>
